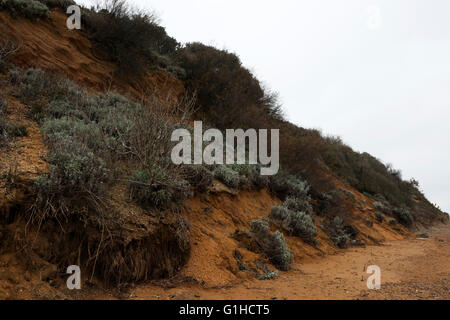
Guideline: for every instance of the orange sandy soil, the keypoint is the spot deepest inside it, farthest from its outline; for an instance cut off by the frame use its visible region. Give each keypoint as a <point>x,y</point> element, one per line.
<point>49,45</point>
<point>410,269</point>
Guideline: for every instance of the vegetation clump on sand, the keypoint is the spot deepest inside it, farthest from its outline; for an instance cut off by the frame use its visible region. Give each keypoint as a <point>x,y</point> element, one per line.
<point>296,223</point>
<point>272,244</point>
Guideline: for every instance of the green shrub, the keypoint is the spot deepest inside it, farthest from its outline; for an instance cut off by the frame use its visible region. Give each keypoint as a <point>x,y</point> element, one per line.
<point>286,185</point>
<point>63,4</point>
<point>379,205</point>
<point>379,216</point>
<point>404,216</point>
<point>341,240</point>
<point>30,9</point>
<point>297,224</point>
<point>252,173</point>
<point>198,177</point>
<point>128,36</point>
<point>274,245</point>
<point>228,176</point>
<point>229,95</point>
<point>74,169</point>
<point>89,134</point>
<point>279,252</point>
<point>392,221</point>
<point>298,204</point>
<point>156,188</point>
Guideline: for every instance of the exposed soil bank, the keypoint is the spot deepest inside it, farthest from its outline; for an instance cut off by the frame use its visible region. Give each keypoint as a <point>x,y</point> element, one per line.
<point>410,269</point>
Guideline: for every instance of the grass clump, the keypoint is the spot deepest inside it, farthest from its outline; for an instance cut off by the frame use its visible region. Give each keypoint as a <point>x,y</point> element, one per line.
<point>297,223</point>
<point>274,245</point>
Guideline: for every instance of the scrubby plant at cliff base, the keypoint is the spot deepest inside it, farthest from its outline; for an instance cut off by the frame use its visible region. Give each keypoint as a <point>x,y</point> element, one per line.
<point>404,217</point>
<point>296,223</point>
<point>338,234</point>
<point>90,137</point>
<point>299,204</point>
<point>379,216</point>
<point>273,245</point>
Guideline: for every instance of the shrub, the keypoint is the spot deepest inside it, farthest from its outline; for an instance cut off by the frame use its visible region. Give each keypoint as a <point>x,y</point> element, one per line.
<point>228,176</point>
<point>103,129</point>
<point>285,185</point>
<point>63,4</point>
<point>338,234</point>
<point>229,95</point>
<point>259,229</point>
<point>341,240</point>
<point>156,189</point>
<point>30,9</point>
<point>296,223</point>
<point>128,36</point>
<point>279,252</point>
<point>198,177</point>
<point>392,221</point>
<point>274,245</point>
<point>7,129</point>
<point>404,216</point>
<point>378,205</point>
<point>252,173</point>
<point>76,174</point>
<point>298,205</point>
<point>379,216</point>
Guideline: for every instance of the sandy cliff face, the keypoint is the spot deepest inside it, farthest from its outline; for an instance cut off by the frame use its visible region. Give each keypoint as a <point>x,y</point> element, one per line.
<point>50,45</point>
<point>215,254</point>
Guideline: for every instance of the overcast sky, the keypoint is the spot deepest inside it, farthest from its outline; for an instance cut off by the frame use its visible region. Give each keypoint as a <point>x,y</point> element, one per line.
<point>376,73</point>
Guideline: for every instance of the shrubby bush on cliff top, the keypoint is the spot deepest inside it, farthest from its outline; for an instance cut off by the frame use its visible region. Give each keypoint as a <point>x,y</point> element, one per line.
<point>131,38</point>
<point>30,9</point>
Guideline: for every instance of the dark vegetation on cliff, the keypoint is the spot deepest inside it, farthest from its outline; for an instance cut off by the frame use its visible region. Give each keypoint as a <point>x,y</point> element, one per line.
<point>105,150</point>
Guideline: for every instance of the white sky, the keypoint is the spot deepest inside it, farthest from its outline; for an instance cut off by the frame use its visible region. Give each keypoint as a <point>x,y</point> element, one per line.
<point>382,84</point>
